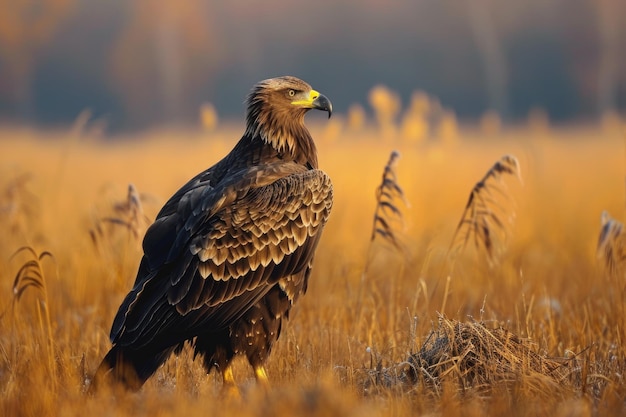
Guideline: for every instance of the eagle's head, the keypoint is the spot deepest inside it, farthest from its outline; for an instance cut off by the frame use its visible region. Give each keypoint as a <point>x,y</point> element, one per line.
<point>276,108</point>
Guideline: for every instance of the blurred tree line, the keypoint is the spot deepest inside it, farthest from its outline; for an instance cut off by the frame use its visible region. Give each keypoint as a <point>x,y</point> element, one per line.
<point>138,63</point>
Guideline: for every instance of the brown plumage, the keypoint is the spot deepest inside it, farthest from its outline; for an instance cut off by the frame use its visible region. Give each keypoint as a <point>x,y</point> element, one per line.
<point>231,251</point>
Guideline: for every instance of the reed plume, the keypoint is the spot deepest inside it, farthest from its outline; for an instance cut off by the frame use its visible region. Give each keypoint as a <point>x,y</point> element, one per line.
<point>18,205</point>
<point>481,221</point>
<point>387,220</point>
<point>129,214</point>
<point>31,275</point>
<point>387,214</point>
<point>611,247</point>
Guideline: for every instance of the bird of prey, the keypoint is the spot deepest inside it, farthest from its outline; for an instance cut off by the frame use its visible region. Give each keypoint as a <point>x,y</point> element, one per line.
<point>231,251</point>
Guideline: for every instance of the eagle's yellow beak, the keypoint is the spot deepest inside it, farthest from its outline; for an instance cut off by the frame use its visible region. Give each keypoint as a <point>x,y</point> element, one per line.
<point>315,100</point>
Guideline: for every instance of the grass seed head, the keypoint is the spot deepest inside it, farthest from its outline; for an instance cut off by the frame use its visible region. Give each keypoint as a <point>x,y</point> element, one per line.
<point>482,219</point>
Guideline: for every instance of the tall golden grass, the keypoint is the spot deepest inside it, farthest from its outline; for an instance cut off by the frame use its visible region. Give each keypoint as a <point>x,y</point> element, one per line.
<point>60,193</point>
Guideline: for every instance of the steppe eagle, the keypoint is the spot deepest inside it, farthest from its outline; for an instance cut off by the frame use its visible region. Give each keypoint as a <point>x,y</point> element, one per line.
<point>231,251</point>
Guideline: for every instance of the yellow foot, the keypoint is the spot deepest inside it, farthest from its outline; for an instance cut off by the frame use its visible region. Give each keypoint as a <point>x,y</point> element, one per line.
<point>229,388</point>
<point>261,377</point>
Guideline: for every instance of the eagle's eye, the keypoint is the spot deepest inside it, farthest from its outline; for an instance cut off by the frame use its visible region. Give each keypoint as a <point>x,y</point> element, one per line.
<point>291,93</point>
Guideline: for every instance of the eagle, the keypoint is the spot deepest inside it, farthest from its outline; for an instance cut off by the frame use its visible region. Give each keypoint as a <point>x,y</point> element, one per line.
<point>231,252</point>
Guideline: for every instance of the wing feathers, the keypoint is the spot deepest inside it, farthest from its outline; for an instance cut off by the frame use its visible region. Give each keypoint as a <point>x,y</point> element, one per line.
<point>253,232</point>
<point>179,290</point>
<point>237,238</point>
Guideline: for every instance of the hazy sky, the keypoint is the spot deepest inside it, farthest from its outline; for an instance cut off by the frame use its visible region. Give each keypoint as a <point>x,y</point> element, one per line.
<point>144,62</point>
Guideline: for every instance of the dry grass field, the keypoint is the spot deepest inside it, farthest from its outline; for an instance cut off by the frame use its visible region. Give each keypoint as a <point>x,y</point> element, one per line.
<point>359,343</point>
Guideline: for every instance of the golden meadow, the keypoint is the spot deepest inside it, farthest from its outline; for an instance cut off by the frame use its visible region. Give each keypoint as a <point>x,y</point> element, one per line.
<point>371,305</point>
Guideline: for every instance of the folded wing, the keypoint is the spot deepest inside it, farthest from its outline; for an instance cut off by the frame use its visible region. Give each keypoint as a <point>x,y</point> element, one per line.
<point>222,248</point>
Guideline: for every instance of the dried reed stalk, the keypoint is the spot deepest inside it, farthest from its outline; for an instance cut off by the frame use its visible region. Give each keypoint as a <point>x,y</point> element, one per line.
<point>387,219</point>
<point>387,213</point>
<point>31,275</point>
<point>481,221</point>
<point>129,215</point>
<point>612,245</point>
<point>17,202</point>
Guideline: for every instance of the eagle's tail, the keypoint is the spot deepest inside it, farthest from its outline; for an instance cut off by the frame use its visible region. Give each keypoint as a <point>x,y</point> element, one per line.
<point>127,368</point>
